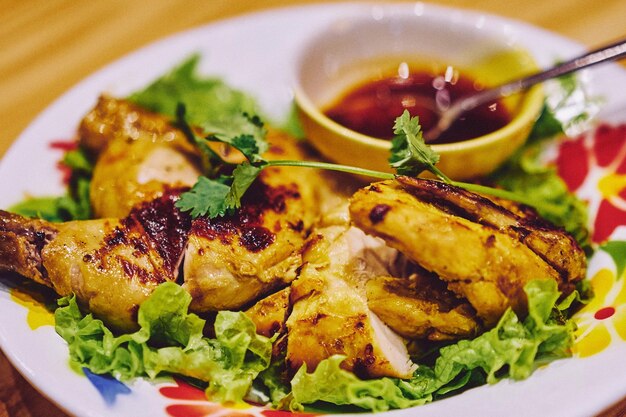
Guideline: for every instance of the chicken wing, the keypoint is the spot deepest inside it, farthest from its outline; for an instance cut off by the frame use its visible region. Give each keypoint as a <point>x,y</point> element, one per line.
<point>481,250</point>
<point>111,265</point>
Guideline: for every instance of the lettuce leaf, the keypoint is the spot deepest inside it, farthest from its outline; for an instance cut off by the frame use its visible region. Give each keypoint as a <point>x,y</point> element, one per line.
<point>74,204</point>
<point>169,341</point>
<point>208,101</point>
<point>512,349</point>
<point>525,175</point>
<point>330,383</point>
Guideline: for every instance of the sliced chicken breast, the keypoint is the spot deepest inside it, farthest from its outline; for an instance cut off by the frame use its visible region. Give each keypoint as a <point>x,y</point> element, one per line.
<point>485,263</point>
<point>330,315</point>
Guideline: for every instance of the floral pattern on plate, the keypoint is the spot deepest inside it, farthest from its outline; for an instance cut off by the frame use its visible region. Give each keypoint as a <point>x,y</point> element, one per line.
<point>191,402</point>
<point>593,166</point>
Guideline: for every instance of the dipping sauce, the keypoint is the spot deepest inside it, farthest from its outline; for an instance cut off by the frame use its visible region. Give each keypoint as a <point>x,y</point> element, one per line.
<point>372,108</point>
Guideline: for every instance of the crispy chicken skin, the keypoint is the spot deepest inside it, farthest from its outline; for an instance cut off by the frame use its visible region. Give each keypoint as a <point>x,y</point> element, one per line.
<point>21,242</point>
<point>114,119</point>
<point>111,265</point>
<point>139,155</point>
<point>552,244</point>
<point>485,262</point>
<point>229,262</point>
<point>420,307</point>
<point>270,313</point>
<point>232,261</point>
<point>330,314</point>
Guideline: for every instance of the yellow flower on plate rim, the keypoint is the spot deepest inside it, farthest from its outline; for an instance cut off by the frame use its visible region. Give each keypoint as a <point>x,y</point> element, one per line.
<point>603,320</point>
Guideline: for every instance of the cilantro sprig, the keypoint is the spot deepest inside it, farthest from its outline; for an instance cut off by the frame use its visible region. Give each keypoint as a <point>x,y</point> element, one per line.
<point>219,113</point>
<point>221,190</point>
<point>409,153</point>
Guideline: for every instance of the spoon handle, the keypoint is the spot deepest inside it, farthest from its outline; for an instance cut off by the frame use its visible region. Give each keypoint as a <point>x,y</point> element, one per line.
<point>610,52</point>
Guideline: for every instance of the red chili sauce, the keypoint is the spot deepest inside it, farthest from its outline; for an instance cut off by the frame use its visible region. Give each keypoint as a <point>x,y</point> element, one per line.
<point>372,108</point>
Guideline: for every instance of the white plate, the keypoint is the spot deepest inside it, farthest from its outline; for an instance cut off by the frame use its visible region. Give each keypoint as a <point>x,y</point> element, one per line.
<point>256,53</point>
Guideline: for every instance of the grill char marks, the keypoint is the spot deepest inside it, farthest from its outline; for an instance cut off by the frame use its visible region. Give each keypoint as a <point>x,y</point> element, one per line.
<point>484,252</point>
<point>155,230</point>
<point>553,245</point>
<point>21,242</point>
<point>248,225</point>
<point>166,226</point>
<point>111,265</point>
<point>252,251</point>
<point>256,250</point>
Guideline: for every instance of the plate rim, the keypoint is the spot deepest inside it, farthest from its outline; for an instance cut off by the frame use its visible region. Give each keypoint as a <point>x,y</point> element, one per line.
<point>17,361</point>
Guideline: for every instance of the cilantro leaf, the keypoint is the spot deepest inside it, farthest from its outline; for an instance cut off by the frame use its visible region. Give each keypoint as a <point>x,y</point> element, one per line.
<point>221,196</point>
<point>409,153</point>
<point>206,197</point>
<point>243,176</point>
<point>243,132</point>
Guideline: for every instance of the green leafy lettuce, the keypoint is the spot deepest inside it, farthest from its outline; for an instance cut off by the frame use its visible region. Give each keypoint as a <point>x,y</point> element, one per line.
<point>74,204</point>
<point>513,349</point>
<point>208,101</point>
<point>169,341</point>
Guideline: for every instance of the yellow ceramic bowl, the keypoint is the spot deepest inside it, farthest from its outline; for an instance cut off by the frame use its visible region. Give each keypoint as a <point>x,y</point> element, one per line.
<point>368,46</point>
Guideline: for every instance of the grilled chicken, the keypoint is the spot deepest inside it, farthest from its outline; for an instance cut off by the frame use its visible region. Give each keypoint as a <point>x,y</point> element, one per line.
<point>421,307</point>
<point>330,314</point>
<point>483,252</point>
<point>139,155</point>
<point>111,265</point>
<point>234,260</point>
<point>333,288</point>
<point>21,242</point>
<point>230,261</point>
<point>269,314</point>
<point>552,244</point>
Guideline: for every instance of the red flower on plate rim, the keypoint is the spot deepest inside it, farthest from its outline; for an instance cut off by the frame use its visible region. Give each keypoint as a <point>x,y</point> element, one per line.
<point>593,165</point>
<point>191,401</point>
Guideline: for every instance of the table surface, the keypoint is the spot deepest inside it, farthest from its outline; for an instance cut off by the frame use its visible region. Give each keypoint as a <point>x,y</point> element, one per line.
<point>47,46</point>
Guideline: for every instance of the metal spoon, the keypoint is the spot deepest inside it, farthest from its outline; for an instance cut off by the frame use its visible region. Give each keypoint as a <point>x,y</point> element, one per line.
<point>606,53</point>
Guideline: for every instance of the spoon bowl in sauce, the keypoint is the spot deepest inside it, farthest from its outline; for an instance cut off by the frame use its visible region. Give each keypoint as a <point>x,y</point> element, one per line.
<point>371,108</point>
<point>462,109</point>
<point>357,76</point>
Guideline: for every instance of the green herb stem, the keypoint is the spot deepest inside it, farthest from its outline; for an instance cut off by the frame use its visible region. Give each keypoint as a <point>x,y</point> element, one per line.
<point>508,195</point>
<point>333,167</point>
<point>441,175</point>
<point>482,189</point>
